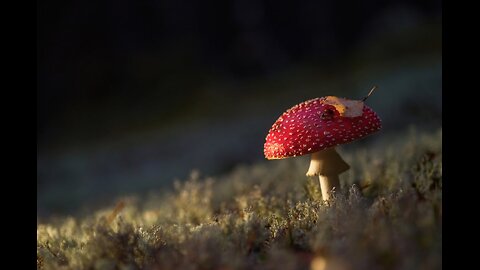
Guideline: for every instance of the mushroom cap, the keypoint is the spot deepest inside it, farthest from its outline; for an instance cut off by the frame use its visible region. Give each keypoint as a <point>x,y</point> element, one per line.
<point>317,124</point>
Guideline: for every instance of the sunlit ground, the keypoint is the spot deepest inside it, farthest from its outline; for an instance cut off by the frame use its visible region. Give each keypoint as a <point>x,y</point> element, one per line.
<point>269,215</point>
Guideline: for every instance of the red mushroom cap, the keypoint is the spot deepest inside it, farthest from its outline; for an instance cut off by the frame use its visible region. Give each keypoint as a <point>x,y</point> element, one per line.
<point>315,125</point>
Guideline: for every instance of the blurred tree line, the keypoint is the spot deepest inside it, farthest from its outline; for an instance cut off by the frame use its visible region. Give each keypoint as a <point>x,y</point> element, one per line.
<point>121,57</point>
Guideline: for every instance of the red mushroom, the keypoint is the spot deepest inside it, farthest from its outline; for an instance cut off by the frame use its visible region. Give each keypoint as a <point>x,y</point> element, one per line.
<point>315,127</point>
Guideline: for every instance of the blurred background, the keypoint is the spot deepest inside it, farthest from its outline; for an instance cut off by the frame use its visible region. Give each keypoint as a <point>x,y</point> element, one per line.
<point>134,94</point>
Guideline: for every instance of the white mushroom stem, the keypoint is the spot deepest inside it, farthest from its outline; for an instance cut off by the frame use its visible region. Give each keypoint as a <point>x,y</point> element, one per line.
<point>327,164</point>
<point>328,184</point>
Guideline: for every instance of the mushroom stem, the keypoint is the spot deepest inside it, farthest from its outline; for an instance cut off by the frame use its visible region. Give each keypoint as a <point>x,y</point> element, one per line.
<point>327,164</point>
<point>327,184</point>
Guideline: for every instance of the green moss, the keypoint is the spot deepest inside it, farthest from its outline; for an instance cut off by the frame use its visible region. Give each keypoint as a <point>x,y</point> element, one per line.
<point>270,216</point>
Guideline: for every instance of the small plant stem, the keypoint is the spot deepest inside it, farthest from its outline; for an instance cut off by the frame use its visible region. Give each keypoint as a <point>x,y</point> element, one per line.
<point>369,93</point>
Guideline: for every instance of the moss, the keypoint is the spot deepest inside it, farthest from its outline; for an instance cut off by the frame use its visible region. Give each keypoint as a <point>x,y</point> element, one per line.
<point>270,216</point>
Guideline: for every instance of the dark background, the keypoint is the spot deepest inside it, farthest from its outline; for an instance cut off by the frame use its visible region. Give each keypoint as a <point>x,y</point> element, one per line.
<point>133,94</point>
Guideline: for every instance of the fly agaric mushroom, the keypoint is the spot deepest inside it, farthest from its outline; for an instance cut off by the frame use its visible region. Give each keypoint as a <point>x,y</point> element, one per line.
<point>316,127</point>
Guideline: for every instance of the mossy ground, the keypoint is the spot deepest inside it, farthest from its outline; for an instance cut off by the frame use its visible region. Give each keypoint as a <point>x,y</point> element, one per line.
<point>388,215</point>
